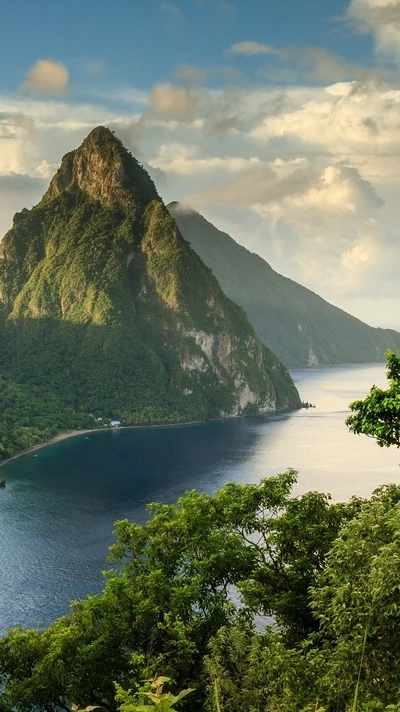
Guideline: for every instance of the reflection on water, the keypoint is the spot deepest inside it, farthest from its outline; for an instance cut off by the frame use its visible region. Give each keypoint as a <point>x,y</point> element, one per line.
<point>58,510</point>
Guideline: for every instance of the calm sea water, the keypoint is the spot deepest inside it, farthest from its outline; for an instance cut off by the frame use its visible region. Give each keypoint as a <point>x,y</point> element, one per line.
<point>60,503</point>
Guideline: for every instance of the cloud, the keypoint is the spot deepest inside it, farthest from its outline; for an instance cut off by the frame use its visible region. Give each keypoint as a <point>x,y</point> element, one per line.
<point>10,181</point>
<point>250,48</point>
<point>17,142</point>
<point>190,75</point>
<point>45,170</point>
<point>366,15</point>
<point>319,65</point>
<point>298,174</point>
<point>124,94</point>
<point>17,191</point>
<point>360,254</point>
<point>293,64</point>
<point>328,233</point>
<point>186,160</point>
<point>11,122</point>
<point>173,102</point>
<point>46,77</point>
<point>340,191</point>
<point>131,133</point>
<point>381,18</point>
<point>354,120</point>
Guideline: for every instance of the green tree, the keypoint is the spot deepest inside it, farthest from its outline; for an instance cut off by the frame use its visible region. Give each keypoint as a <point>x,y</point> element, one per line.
<point>358,604</point>
<point>378,415</point>
<point>171,593</point>
<point>152,692</point>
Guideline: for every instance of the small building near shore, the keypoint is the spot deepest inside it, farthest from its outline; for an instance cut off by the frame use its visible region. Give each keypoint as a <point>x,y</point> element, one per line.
<point>115,423</point>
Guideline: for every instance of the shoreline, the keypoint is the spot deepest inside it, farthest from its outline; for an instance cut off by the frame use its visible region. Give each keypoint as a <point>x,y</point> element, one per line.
<point>75,433</point>
<point>53,441</point>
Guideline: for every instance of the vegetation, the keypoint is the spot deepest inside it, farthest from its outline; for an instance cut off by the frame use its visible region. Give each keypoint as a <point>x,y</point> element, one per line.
<point>251,600</point>
<point>378,415</point>
<point>297,325</point>
<point>185,598</point>
<point>106,310</point>
<point>327,573</point>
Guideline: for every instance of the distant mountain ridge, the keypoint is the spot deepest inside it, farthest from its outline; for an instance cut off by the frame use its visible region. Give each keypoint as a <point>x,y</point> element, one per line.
<point>107,312</point>
<point>300,327</point>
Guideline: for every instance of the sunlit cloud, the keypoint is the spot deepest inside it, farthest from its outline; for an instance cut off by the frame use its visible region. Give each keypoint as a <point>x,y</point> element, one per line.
<point>46,77</point>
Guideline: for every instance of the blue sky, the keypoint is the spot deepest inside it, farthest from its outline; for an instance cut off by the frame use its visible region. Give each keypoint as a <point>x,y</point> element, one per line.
<point>144,41</point>
<point>277,119</point>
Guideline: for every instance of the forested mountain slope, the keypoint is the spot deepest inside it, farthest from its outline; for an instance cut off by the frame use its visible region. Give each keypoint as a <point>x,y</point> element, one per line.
<point>107,312</point>
<point>300,327</point>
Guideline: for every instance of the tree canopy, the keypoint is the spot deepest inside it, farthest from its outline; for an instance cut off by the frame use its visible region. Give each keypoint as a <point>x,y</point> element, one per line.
<point>186,591</point>
<point>378,415</point>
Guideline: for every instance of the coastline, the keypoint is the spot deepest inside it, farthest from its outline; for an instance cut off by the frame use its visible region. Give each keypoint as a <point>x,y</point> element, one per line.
<point>75,433</point>
<point>53,441</point>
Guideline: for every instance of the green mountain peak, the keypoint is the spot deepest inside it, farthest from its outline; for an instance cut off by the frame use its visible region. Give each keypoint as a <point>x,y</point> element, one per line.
<point>106,310</point>
<point>104,169</point>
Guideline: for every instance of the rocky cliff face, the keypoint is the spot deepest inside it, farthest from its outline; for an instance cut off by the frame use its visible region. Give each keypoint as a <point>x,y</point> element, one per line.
<point>127,319</point>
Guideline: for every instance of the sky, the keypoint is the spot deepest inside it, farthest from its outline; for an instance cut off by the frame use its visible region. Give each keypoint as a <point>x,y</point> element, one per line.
<point>278,120</point>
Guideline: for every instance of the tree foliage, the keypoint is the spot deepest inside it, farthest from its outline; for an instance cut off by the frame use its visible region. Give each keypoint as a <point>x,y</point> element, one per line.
<point>378,415</point>
<point>327,573</point>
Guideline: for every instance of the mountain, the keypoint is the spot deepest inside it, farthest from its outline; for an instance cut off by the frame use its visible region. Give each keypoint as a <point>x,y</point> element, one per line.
<point>106,312</point>
<point>300,327</point>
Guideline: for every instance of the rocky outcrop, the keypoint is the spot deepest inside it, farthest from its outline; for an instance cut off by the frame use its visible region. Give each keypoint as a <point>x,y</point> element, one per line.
<point>218,354</point>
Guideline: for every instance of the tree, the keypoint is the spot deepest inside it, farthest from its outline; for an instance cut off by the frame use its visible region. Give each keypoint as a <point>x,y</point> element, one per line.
<point>172,591</point>
<point>378,415</point>
<point>356,602</point>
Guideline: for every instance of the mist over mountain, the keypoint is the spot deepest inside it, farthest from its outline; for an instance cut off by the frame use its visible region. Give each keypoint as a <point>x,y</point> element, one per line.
<point>299,326</point>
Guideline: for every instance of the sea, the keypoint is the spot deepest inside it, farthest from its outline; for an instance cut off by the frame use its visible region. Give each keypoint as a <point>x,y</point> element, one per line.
<point>58,510</point>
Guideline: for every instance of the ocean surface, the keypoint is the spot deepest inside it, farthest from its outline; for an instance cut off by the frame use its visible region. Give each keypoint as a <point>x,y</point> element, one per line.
<point>58,509</point>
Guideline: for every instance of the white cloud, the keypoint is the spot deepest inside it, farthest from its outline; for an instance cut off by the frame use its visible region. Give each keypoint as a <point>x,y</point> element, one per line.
<point>354,120</point>
<point>381,18</point>
<point>184,159</point>
<point>363,252</point>
<point>46,77</point>
<point>45,170</point>
<point>173,102</point>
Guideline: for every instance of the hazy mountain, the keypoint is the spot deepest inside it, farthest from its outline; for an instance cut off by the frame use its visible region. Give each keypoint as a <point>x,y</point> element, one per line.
<point>106,310</point>
<point>298,325</point>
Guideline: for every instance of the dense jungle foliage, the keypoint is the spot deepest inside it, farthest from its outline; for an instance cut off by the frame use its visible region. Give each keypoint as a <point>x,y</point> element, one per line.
<point>106,312</point>
<point>191,599</point>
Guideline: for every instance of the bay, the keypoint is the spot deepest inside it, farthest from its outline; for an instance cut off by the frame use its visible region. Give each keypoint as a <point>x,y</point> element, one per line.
<point>60,504</point>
